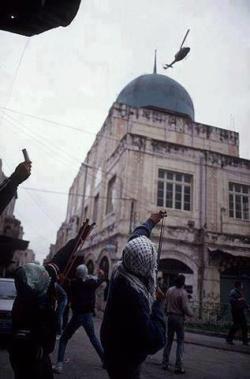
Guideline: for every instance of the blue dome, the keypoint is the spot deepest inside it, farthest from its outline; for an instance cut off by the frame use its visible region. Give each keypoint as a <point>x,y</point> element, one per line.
<point>157,91</point>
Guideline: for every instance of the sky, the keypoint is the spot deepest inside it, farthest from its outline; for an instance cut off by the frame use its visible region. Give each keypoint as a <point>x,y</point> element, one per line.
<point>72,75</point>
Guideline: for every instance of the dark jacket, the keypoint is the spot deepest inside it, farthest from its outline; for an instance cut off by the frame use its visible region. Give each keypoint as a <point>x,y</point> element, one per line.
<point>37,315</point>
<point>129,331</point>
<point>8,190</point>
<point>237,301</point>
<point>82,295</point>
<point>38,318</point>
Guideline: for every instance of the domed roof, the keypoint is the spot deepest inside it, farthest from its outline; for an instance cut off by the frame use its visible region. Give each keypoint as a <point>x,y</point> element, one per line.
<point>157,91</point>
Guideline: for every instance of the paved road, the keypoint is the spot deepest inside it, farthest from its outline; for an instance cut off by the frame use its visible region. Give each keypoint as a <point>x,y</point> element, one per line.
<point>200,363</point>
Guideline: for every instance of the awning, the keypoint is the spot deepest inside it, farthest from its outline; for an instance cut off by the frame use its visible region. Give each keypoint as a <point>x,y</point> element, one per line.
<point>8,246</point>
<point>174,266</point>
<point>219,253</point>
<point>228,263</point>
<point>30,17</point>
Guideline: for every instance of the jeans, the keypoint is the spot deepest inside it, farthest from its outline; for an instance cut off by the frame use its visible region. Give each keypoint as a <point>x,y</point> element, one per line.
<point>175,325</point>
<point>86,321</point>
<point>239,322</point>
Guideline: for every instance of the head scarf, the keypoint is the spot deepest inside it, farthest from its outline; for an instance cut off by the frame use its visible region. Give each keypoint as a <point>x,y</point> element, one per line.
<point>139,264</point>
<point>32,280</point>
<point>82,272</point>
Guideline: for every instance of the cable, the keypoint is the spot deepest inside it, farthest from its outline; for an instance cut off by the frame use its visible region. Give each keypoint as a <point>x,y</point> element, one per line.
<point>129,195</point>
<point>73,194</point>
<point>89,174</point>
<point>39,135</point>
<point>47,147</point>
<point>64,125</point>
<point>57,123</point>
<point>32,197</point>
<point>15,74</point>
<point>37,138</point>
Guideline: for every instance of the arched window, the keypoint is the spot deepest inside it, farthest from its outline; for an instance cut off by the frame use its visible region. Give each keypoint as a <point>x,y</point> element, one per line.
<point>91,267</point>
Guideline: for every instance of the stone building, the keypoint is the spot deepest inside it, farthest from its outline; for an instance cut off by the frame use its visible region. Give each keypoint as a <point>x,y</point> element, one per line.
<point>151,154</point>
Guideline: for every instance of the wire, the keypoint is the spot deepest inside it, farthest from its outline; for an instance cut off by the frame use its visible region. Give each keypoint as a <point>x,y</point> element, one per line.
<point>73,194</point>
<point>37,137</point>
<point>15,75</point>
<point>130,196</point>
<point>50,149</point>
<point>42,136</point>
<point>32,197</point>
<point>56,123</point>
<point>68,126</point>
<point>46,146</point>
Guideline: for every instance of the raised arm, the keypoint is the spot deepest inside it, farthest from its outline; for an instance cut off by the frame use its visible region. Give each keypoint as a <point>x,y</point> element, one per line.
<point>146,228</point>
<point>9,187</point>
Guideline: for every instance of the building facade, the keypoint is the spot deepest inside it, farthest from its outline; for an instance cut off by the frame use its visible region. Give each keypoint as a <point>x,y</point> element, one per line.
<point>149,155</point>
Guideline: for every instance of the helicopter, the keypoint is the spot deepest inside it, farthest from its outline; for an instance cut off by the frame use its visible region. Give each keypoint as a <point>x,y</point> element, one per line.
<point>181,54</point>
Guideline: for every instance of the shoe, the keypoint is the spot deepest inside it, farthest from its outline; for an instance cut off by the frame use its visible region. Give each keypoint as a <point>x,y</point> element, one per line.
<point>58,368</point>
<point>229,342</point>
<point>179,370</point>
<point>245,343</point>
<point>165,366</point>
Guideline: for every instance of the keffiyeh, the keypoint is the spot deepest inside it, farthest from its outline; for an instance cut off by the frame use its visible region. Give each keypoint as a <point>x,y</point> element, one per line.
<point>139,264</point>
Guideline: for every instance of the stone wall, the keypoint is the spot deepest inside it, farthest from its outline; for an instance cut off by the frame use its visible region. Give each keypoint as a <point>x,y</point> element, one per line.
<point>131,147</point>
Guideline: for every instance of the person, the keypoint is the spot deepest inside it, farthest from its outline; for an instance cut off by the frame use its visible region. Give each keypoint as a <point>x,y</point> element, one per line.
<point>34,324</point>
<point>33,315</point>
<point>62,301</point>
<point>133,324</point>
<point>238,308</point>
<point>82,298</point>
<point>9,186</point>
<point>177,308</point>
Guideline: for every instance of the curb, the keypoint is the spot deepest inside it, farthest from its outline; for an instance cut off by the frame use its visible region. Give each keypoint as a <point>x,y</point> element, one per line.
<point>220,347</point>
<point>206,333</point>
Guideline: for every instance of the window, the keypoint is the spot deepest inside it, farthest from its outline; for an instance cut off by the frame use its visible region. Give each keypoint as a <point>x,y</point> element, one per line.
<point>174,190</point>
<point>239,199</point>
<point>95,211</point>
<point>91,267</point>
<point>110,195</point>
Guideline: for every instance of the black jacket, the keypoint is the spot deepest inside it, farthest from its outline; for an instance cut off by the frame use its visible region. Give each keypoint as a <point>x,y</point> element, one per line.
<point>129,331</point>
<point>8,190</point>
<point>238,303</point>
<point>38,317</point>
<point>82,295</point>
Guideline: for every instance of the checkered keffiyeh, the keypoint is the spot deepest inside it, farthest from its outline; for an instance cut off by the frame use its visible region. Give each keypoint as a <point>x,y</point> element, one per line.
<point>140,257</point>
<point>139,263</point>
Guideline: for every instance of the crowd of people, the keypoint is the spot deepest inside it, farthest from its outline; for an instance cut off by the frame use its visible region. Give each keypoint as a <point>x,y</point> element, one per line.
<point>134,321</point>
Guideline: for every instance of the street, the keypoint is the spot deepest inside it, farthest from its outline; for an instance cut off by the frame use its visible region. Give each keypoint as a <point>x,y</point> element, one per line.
<point>200,362</point>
